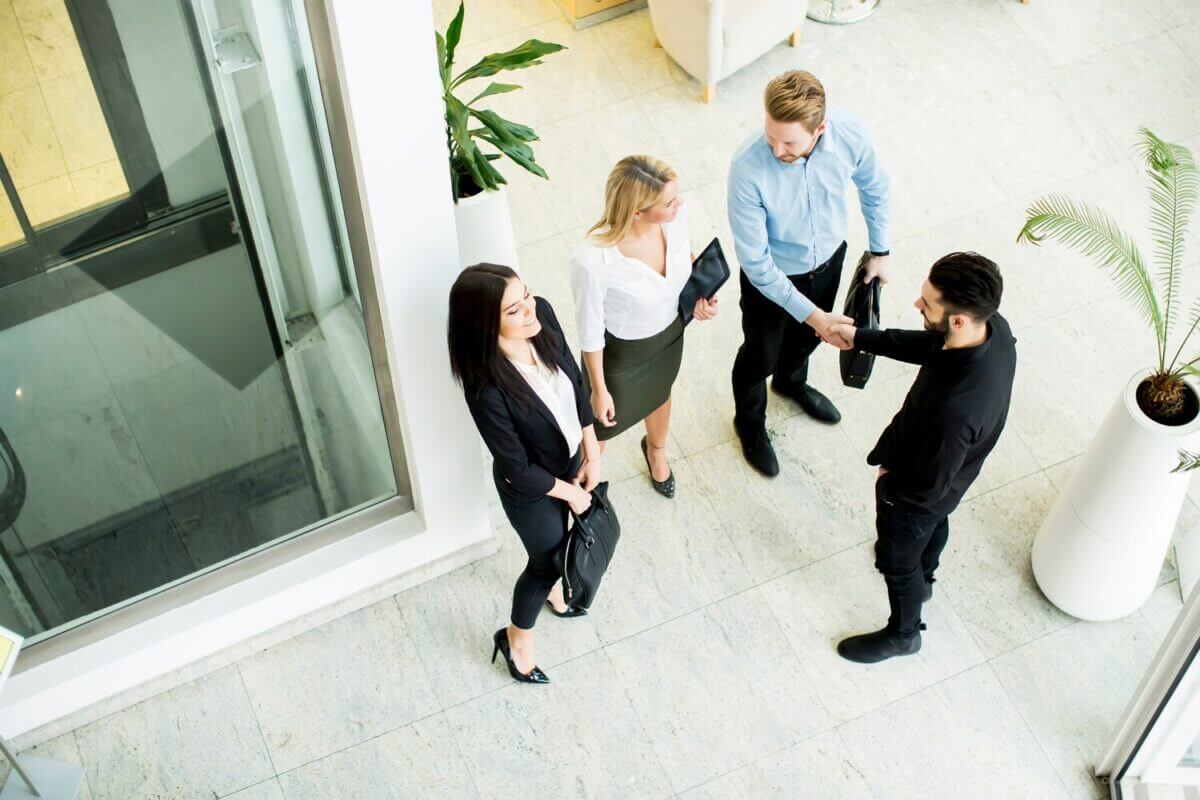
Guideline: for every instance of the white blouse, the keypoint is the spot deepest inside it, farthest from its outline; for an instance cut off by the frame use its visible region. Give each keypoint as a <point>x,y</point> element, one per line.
<point>554,388</point>
<point>624,295</point>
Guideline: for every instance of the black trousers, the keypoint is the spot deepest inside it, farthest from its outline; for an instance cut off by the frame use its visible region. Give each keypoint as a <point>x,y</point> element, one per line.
<point>907,550</point>
<point>774,343</point>
<point>541,522</point>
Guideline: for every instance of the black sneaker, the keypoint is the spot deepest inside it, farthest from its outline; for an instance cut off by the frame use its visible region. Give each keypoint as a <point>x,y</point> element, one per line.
<point>757,449</point>
<point>815,404</point>
<point>871,648</point>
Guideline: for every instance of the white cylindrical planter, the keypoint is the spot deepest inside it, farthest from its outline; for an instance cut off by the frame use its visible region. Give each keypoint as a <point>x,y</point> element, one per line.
<point>485,232</point>
<point>1099,551</point>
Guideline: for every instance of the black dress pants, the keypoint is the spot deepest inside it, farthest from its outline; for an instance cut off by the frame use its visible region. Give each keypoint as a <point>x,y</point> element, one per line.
<point>909,544</point>
<point>541,522</point>
<point>775,343</point>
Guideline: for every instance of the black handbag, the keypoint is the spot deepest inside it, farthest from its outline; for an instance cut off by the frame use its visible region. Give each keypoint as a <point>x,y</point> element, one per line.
<point>588,551</point>
<point>710,270</point>
<point>862,304</point>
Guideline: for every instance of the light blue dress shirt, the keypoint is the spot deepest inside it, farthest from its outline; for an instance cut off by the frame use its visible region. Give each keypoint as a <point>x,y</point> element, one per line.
<point>788,219</point>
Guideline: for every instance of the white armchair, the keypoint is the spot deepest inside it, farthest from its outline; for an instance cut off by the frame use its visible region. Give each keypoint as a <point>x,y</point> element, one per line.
<point>712,39</point>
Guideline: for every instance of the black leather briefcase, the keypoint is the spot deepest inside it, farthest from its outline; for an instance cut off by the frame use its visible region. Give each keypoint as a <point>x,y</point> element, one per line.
<point>589,549</point>
<point>862,304</point>
<point>709,272</point>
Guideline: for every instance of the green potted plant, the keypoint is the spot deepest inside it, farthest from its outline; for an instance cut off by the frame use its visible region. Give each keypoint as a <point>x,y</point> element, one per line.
<point>476,137</point>
<point>1099,551</point>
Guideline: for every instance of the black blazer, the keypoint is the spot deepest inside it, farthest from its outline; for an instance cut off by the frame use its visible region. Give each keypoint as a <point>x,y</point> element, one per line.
<point>526,442</point>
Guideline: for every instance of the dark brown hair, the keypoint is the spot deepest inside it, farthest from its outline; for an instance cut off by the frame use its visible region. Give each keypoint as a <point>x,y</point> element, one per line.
<point>473,334</point>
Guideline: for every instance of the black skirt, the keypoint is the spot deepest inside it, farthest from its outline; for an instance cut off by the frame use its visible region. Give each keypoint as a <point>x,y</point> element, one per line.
<point>639,374</point>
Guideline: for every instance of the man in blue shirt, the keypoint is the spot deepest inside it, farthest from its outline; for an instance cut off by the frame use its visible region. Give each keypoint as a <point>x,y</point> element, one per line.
<point>787,209</point>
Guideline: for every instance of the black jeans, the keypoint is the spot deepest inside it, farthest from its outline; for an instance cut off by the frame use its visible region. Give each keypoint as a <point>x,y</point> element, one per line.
<point>907,551</point>
<point>541,522</point>
<point>774,343</point>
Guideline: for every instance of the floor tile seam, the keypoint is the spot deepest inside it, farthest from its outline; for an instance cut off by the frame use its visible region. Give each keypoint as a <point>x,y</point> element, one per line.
<point>425,669</point>
<point>251,786</point>
<point>467,764</point>
<point>762,757</point>
<point>1029,728</point>
<point>982,661</point>
<point>857,767</point>
<point>801,660</point>
<point>257,722</point>
<point>86,772</point>
<point>360,743</point>
<point>658,757</point>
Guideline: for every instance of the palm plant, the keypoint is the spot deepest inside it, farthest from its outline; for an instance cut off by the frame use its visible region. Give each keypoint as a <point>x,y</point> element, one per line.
<point>1164,396</point>
<point>471,170</point>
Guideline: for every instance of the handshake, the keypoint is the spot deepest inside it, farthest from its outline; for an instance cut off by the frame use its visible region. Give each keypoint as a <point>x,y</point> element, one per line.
<point>835,329</point>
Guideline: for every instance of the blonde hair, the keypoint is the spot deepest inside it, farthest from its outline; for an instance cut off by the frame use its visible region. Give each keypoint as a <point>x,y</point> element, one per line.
<point>635,184</point>
<point>796,96</point>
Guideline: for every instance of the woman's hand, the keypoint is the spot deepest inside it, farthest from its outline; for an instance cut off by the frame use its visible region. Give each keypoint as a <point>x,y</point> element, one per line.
<point>705,309</point>
<point>603,408</point>
<point>589,475</point>
<point>578,499</point>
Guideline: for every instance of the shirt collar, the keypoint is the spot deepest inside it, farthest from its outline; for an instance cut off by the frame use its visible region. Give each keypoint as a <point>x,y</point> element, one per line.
<point>967,355</point>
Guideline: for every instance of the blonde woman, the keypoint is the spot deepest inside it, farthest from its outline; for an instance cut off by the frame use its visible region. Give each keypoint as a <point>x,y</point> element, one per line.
<point>626,278</point>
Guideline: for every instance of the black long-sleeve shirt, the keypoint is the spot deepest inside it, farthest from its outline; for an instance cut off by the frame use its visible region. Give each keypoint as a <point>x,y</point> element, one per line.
<point>951,419</point>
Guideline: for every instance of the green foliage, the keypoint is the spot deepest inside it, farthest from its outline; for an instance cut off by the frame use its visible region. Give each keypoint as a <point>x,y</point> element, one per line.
<point>471,169</point>
<point>1171,170</point>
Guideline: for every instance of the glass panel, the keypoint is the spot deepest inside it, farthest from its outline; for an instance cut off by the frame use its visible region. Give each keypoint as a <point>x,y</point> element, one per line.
<point>200,387</point>
<point>10,228</point>
<point>55,139</point>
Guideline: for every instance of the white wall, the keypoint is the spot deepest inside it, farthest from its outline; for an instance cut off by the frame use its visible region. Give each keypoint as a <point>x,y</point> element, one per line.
<point>400,159</point>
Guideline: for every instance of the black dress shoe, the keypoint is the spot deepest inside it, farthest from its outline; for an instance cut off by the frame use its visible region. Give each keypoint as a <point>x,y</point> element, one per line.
<point>665,488</point>
<point>535,675</point>
<point>925,598</point>
<point>815,404</point>
<point>881,645</point>
<point>570,613</point>
<point>757,449</point>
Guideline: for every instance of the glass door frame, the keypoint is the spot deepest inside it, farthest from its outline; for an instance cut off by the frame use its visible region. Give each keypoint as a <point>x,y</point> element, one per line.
<point>1162,719</point>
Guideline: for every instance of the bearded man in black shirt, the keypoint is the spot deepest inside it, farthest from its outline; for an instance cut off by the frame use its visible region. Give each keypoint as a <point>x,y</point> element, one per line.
<point>935,446</point>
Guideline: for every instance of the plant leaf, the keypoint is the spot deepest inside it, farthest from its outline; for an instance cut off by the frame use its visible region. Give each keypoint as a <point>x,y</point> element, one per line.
<point>453,34</point>
<point>524,55</point>
<point>1188,461</point>
<point>498,124</point>
<point>522,158</point>
<point>1173,191</point>
<point>1094,233</point>
<point>493,88</point>
<point>443,69</point>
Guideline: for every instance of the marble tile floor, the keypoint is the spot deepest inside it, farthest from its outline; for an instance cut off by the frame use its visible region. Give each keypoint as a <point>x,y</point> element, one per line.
<point>707,669</point>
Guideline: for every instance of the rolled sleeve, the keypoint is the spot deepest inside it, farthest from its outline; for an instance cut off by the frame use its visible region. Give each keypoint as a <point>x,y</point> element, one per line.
<point>874,195</point>
<point>588,291</point>
<point>748,220</point>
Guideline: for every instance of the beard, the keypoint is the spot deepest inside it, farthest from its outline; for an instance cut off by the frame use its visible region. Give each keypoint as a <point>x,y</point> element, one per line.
<point>942,327</point>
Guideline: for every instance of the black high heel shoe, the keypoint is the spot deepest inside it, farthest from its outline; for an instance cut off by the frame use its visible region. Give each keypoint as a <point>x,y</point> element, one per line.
<point>500,640</point>
<point>570,613</point>
<point>665,488</point>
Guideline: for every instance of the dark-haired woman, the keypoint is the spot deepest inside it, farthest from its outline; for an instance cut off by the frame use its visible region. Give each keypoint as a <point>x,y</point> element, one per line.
<point>524,390</point>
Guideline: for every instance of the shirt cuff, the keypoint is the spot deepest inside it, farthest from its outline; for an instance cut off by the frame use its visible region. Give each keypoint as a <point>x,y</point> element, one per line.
<point>866,340</point>
<point>877,239</point>
<point>800,307</point>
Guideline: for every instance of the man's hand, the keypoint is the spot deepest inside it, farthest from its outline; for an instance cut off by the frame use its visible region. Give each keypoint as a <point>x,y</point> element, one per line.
<point>878,267</point>
<point>823,321</point>
<point>841,336</point>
